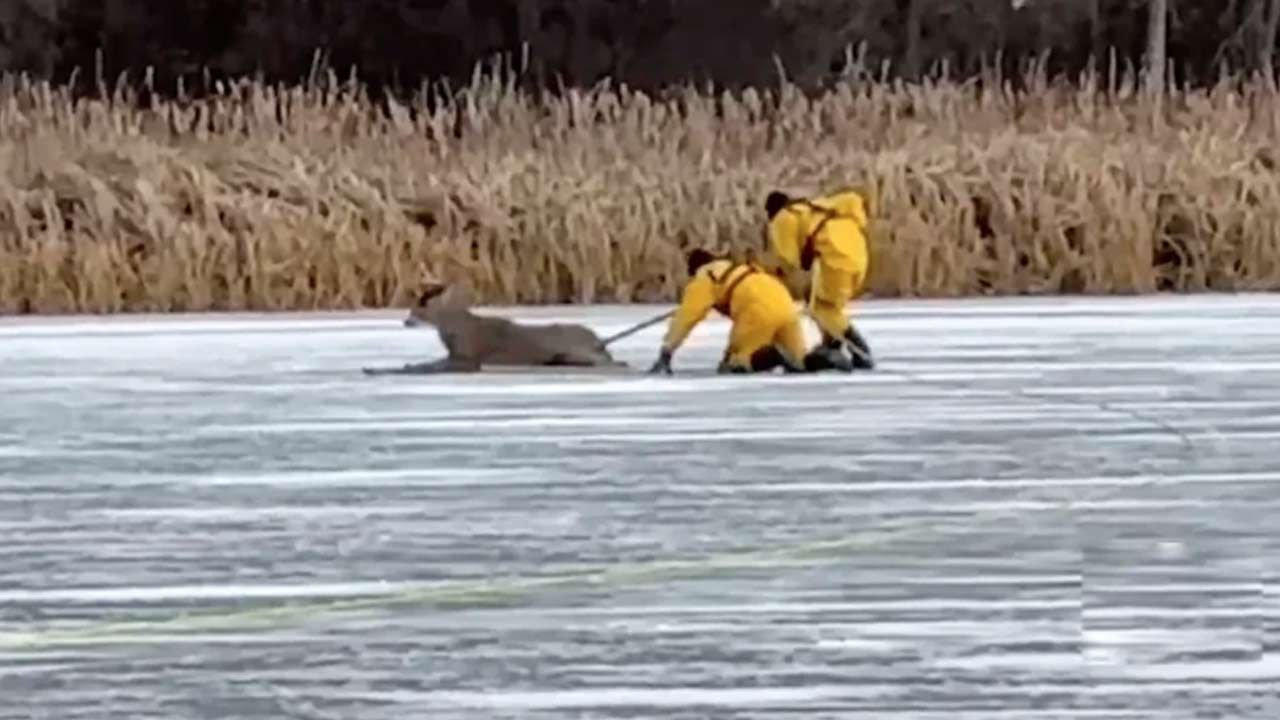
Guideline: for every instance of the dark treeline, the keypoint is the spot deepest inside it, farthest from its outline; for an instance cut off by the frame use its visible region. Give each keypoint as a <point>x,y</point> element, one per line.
<point>644,43</point>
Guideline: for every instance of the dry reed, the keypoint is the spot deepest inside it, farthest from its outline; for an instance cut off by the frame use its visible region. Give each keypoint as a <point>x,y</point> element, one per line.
<point>318,197</point>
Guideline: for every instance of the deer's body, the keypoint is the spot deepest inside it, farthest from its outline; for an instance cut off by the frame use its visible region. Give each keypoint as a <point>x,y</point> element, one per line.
<point>475,341</point>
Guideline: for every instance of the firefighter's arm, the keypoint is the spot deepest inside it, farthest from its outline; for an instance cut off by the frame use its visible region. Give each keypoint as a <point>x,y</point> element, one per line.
<point>796,280</point>
<point>698,299</point>
<point>783,238</point>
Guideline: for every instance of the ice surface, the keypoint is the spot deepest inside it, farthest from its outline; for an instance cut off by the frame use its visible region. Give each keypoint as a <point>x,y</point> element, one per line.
<point>1035,509</point>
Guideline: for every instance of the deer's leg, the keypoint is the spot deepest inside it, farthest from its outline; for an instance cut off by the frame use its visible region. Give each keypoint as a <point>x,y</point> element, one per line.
<point>579,357</point>
<point>450,364</point>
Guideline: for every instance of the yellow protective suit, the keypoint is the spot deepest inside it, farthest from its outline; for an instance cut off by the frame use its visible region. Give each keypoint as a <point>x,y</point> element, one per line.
<point>758,304</point>
<point>827,234</point>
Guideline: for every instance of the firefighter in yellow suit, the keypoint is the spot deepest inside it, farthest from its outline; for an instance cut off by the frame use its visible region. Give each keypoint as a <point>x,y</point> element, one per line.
<point>766,332</point>
<point>827,237</point>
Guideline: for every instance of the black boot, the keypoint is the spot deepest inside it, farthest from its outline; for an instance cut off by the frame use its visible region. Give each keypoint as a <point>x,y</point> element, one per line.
<point>764,360</point>
<point>827,356</point>
<point>860,350</point>
<point>770,358</point>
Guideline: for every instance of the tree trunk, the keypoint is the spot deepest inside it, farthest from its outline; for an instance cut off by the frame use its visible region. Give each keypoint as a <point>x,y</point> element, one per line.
<point>1096,33</point>
<point>915,23</point>
<point>1268,18</point>
<point>1158,14</point>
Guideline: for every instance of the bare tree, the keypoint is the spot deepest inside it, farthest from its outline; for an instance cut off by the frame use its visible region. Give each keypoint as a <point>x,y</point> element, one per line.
<point>28,32</point>
<point>914,30</point>
<point>1096,31</point>
<point>1261,22</point>
<point>1157,30</point>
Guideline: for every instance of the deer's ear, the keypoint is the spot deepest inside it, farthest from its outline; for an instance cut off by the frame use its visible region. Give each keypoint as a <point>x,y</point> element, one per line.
<point>430,292</point>
<point>460,293</point>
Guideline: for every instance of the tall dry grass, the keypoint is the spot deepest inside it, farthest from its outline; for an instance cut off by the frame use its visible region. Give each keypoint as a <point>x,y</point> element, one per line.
<point>318,196</point>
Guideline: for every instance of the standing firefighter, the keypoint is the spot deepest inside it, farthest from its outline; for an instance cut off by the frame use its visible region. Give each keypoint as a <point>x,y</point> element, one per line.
<point>766,331</point>
<point>826,234</point>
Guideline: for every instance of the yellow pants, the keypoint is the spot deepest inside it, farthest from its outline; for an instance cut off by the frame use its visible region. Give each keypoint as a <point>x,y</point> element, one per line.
<point>831,292</point>
<point>770,319</point>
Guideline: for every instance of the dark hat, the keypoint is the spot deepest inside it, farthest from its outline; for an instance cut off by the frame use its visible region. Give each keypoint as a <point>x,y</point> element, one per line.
<point>774,203</point>
<point>697,258</point>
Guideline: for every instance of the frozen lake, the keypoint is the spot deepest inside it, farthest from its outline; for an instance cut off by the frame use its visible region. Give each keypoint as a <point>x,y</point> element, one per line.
<point>1032,510</point>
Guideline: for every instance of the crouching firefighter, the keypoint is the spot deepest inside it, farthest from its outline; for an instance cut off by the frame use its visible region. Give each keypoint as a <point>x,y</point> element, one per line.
<point>827,237</point>
<point>766,333</point>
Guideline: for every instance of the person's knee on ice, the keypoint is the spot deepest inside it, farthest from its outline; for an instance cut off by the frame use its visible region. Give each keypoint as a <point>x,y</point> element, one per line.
<point>767,359</point>
<point>734,362</point>
<point>740,354</point>
<point>759,359</point>
<point>791,344</point>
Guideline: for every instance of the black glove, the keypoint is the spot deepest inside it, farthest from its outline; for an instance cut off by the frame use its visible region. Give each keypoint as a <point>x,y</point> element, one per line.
<point>663,365</point>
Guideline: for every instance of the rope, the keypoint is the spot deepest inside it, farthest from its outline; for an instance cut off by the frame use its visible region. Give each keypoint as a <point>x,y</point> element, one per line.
<point>636,328</point>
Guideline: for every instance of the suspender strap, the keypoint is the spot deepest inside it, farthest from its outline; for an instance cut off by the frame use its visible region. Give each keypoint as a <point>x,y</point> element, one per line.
<point>723,306</point>
<point>807,250</point>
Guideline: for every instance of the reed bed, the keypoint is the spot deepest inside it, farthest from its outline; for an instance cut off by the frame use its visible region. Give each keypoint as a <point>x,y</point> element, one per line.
<point>318,196</point>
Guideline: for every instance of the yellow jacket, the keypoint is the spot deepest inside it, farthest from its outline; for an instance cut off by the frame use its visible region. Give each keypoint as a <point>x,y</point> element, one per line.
<point>727,287</point>
<point>830,229</point>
